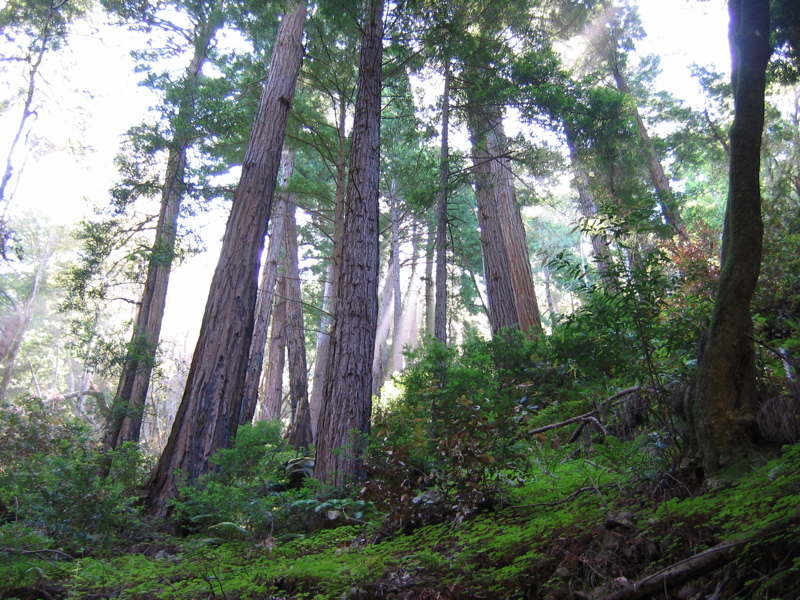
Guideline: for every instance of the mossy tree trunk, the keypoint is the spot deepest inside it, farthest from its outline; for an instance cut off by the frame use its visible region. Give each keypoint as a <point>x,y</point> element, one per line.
<point>726,402</point>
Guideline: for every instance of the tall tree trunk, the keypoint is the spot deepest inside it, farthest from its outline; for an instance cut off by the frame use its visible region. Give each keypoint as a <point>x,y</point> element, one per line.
<point>28,111</point>
<point>347,397</point>
<point>430,292</point>
<point>272,391</point>
<point>209,412</point>
<point>548,294</point>
<point>323,341</point>
<point>726,393</point>
<point>323,345</point>
<point>266,293</point>
<point>298,366</point>
<point>134,381</point>
<point>509,282</point>
<point>440,311</point>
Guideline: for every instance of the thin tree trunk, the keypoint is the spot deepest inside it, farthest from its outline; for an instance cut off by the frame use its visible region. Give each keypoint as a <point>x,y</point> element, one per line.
<point>548,294</point>
<point>666,198</point>
<point>430,293</point>
<point>397,342</point>
<point>380,358</point>
<point>587,206</point>
<point>727,400</point>
<point>14,331</point>
<point>266,293</point>
<point>298,366</point>
<point>209,412</point>
<point>272,391</point>
<point>347,397</point>
<point>27,112</point>
<point>136,371</point>
<point>440,311</point>
<point>323,344</point>
<point>410,324</point>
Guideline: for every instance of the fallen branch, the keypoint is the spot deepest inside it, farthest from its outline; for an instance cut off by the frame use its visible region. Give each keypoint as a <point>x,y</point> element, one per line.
<point>698,565</point>
<point>588,415</point>
<point>37,553</point>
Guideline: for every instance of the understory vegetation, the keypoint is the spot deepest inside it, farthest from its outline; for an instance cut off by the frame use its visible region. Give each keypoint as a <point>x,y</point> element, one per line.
<point>513,468</point>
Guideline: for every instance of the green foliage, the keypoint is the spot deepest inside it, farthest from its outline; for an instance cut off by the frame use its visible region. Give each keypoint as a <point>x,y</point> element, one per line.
<point>453,442</point>
<point>50,475</point>
<point>258,490</point>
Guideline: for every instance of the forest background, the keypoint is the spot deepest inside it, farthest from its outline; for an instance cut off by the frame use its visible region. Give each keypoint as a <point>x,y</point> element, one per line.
<point>541,229</point>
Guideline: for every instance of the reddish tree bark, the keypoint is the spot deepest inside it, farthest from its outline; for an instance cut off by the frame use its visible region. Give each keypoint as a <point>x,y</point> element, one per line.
<point>266,293</point>
<point>300,436</point>
<point>347,396</point>
<point>507,270</point>
<point>209,412</point>
<point>272,390</point>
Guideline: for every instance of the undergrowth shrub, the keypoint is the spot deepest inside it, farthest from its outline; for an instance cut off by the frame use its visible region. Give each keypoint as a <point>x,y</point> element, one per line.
<point>263,490</point>
<point>454,441</point>
<point>49,475</point>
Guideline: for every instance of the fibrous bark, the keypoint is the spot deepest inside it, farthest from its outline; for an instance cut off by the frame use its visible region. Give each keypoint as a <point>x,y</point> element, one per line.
<point>507,270</point>
<point>272,389</point>
<point>266,293</point>
<point>209,412</point>
<point>347,396</point>
<point>300,436</point>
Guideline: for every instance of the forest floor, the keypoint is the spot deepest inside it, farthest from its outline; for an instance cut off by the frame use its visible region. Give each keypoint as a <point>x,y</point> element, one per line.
<point>580,528</point>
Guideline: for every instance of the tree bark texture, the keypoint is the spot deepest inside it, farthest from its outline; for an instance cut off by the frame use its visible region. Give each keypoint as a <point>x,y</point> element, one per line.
<point>272,391</point>
<point>323,345</point>
<point>323,340</point>
<point>266,294</point>
<point>726,401</point>
<point>507,270</point>
<point>209,411</point>
<point>347,396</point>
<point>300,436</point>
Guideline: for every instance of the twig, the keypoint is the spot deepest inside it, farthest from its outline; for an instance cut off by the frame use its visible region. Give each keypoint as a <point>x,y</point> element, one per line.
<point>569,498</point>
<point>585,416</point>
<point>37,553</point>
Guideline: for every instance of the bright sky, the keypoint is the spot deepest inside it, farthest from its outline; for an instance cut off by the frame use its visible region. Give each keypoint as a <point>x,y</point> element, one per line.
<point>91,99</point>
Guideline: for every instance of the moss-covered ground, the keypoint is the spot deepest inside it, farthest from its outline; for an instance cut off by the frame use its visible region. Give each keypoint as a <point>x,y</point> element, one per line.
<point>580,528</point>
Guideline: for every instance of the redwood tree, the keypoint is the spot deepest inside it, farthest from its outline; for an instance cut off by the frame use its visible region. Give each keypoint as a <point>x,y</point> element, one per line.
<point>140,359</point>
<point>347,393</point>
<point>209,411</point>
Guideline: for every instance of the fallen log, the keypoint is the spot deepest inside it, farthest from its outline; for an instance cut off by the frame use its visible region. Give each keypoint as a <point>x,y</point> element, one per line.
<point>700,564</point>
